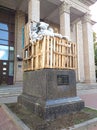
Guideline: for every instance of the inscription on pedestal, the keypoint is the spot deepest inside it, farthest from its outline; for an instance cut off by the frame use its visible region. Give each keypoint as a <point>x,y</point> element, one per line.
<point>62,80</point>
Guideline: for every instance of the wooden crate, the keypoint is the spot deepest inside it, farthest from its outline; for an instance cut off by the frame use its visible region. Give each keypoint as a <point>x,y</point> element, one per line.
<point>50,52</point>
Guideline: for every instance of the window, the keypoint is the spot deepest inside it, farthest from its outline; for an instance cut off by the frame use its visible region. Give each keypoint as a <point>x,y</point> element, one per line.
<point>11,53</point>
<point>10,68</point>
<point>3,52</point>
<point>4,63</point>
<point>4,26</point>
<point>7,37</point>
<point>3,42</point>
<point>4,69</point>
<point>3,35</point>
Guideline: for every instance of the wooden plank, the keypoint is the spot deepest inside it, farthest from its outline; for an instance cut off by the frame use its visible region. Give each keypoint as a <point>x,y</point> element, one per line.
<point>51,52</point>
<point>57,52</point>
<point>67,57</point>
<point>37,57</point>
<point>59,58</point>
<point>43,51</point>
<point>54,45</point>
<point>48,52</point>
<point>63,52</point>
<point>32,60</point>
<point>75,56</point>
<point>26,34</point>
<point>70,55</point>
<point>34,57</point>
<point>40,53</point>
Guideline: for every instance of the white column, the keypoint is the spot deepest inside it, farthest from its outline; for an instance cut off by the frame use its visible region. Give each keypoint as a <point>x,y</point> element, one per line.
<point>89,64</point>
<point>73,32</point>
<point>65,19</point>
<point>34,10</point>
<point>80,52</point>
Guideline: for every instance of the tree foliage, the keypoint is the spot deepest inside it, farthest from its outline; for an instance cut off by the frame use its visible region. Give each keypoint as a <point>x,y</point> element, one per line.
<point>95,47</point>
<point>96,57</point>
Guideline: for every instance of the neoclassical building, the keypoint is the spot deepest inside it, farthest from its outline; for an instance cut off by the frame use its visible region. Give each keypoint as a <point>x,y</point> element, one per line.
<point>68,17</point>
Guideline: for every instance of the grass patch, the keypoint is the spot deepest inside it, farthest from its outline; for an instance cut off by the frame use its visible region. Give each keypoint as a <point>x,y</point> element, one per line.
<point>36,123</point>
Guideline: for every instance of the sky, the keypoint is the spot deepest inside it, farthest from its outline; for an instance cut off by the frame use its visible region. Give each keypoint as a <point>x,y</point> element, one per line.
<point>93,9</point>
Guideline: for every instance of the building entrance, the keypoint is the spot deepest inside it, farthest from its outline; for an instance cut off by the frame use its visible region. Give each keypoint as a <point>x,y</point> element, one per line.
<point>7,25</point>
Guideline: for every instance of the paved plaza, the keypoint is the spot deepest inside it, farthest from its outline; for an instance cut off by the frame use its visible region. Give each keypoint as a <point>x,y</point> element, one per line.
<point>88,92</point>
<point>9,94</point>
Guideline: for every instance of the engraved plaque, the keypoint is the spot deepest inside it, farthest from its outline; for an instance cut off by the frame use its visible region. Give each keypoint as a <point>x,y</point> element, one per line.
<point>62,80</point>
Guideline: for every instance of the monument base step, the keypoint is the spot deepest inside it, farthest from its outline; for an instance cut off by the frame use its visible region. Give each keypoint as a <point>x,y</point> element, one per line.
<point>51,109</point>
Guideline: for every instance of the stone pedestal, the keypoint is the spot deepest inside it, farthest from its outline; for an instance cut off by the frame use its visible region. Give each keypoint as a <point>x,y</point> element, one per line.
<point>50,93</point>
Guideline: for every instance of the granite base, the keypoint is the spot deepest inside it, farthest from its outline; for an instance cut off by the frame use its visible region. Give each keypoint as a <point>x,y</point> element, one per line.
<point>50,93</point>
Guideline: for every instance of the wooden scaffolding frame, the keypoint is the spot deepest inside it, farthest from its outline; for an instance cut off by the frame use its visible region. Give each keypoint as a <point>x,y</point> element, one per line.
<point>50,52</point>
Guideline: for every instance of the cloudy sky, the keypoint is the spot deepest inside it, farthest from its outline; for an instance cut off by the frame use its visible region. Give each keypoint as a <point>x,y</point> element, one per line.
<point>93,9</point>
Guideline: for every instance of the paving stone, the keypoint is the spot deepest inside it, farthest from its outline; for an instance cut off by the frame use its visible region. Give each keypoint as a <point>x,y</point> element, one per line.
<point>5,121</point>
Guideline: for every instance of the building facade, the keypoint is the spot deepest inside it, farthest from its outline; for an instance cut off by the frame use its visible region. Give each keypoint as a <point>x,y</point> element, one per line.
<point>68,17</point>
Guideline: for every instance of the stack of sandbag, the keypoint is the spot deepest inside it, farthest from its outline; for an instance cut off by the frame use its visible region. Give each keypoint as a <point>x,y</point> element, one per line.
<point>44,30</point>
<point>33,29</point>
<point>38,30</point>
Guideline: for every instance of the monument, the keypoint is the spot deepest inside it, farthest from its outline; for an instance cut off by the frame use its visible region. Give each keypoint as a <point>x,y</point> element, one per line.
<point>49,88</point>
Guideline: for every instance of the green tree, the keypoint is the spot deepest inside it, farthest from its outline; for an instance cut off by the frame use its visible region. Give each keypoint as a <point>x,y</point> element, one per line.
<point>95,47</point>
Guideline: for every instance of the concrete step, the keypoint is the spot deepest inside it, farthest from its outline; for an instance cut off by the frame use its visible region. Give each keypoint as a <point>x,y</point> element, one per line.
<point>84,86</point>
<point>4,92</point>
<point>10,94</point>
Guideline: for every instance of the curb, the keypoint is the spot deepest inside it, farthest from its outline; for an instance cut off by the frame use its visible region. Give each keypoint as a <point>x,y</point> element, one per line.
<point>14,118</point>
<point>87,125</point>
